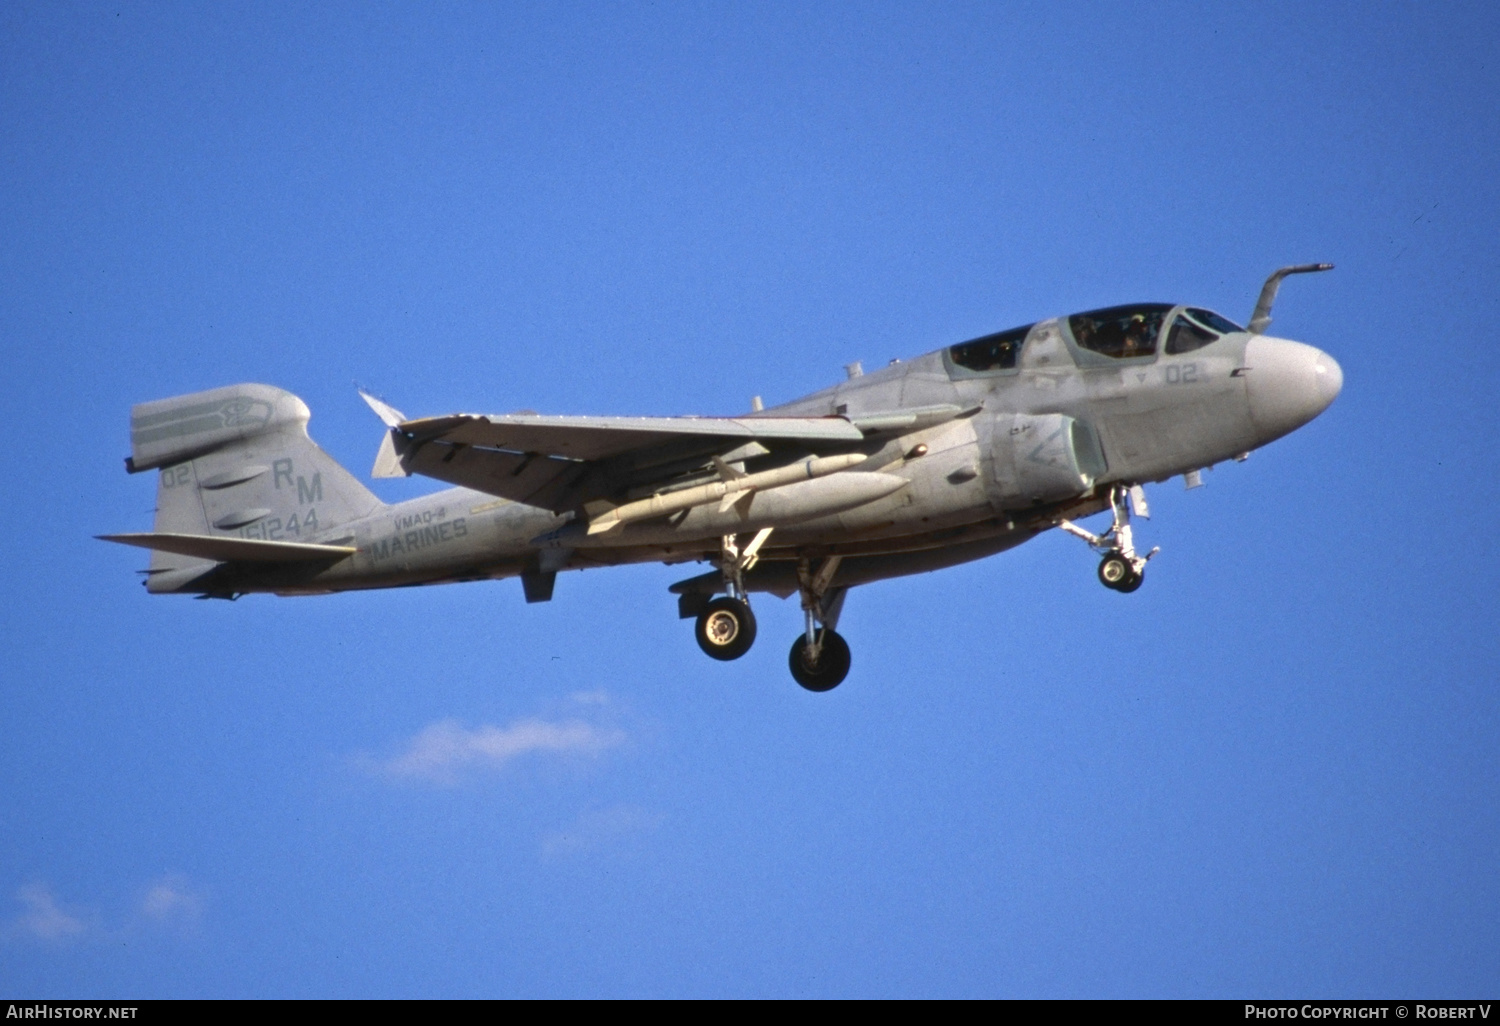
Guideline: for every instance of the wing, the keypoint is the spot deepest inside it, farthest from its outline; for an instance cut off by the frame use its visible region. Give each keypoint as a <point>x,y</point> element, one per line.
<point>561,463</point>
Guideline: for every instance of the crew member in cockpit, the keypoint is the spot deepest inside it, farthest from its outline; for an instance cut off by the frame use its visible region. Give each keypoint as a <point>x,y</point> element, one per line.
<point>1136,342</point>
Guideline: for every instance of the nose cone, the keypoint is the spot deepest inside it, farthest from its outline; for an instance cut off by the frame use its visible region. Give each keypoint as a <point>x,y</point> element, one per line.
<point>1288,384</point>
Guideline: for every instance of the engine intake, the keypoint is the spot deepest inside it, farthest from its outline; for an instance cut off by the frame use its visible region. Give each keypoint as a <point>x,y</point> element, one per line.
<point>1037,460</point>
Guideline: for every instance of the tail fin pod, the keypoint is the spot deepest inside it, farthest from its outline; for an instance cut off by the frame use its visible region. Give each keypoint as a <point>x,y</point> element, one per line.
<point>238,462</point>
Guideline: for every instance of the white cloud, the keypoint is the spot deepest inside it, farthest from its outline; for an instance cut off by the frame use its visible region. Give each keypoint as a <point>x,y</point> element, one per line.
<point>167,902</point>
<point>171,902</point>
<point>442,749</point>
<point>43,919</point>
<point>602,827</point>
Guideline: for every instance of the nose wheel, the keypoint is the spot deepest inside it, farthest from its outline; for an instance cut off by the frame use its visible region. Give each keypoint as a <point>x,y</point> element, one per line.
<point>1122,568</point>
<point>1117,573</point>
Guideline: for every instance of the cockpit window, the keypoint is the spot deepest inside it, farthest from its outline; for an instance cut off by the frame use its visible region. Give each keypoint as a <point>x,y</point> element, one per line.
<point>1120,331</point>
<point>1207,318</point>
<point>1189,333</point>
<point>992,352</point>
<point>1186,336</point>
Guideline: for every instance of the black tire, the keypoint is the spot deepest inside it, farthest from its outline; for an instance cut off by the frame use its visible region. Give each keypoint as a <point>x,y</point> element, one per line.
<point>725,629</point>
<point>1115,572</point>
<point>832,666</point>
<point>1131,583</point>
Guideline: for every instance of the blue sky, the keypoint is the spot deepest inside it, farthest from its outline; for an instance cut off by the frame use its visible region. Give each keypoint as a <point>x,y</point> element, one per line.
<point>1272,770</point>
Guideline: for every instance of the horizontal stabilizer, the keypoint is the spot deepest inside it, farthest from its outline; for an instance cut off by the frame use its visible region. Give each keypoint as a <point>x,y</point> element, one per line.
<point>233,550</point>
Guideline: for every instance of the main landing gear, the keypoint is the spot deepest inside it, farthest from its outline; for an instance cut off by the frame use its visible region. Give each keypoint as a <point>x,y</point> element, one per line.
<point>726,626</point>
<point>820,658</point>
<point>1121,568</point>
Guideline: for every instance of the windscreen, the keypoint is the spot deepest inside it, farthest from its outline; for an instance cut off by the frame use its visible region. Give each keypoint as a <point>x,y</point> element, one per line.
<point>1209,319</point>
<point>1196,329</point>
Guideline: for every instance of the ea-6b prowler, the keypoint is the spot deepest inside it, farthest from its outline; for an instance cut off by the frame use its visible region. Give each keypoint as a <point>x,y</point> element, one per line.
<point>950,457</point>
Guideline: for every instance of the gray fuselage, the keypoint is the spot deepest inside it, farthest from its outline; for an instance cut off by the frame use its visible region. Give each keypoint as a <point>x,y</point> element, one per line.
<point>970,486</point>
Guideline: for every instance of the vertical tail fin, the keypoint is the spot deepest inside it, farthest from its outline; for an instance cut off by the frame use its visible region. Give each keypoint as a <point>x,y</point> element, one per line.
<point>238,462</point>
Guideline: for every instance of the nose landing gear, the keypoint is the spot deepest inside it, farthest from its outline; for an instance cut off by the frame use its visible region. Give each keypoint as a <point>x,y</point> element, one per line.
<point>1122,568</point>
<point>1119,573</point>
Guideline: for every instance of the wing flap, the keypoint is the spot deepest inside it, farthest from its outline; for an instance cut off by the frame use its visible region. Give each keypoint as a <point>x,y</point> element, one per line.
<point>233,550</point>
<point>531,478</point>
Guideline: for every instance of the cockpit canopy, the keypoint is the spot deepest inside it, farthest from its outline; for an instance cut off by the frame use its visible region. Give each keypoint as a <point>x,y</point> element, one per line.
<point>992,352</point>
<point>1118,332</point>
<point>1123,332</point>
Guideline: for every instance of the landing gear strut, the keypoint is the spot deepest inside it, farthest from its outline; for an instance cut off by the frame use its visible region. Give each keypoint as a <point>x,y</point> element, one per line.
<point>1122,568</point>
<point>726,626</point>
<point>820,658</point>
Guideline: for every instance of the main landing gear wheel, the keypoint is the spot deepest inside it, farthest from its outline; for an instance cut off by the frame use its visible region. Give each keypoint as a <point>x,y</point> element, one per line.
<point>726,628</point>
<point>831,667</point>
